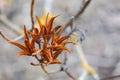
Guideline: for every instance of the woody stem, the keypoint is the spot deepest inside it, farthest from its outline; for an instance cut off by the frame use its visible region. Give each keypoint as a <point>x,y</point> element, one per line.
<point>6,38</point>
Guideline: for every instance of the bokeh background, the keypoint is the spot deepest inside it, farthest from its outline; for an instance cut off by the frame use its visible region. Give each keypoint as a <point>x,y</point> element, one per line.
<point>101,19</point>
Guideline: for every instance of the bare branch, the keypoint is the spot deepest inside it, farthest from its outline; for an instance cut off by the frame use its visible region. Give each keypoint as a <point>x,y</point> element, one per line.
<point>65,69</point>
<point>32,13</point>
<point>111,77</point>
<point>44,69</point>
<point>80,12</point>
<point>5,37</point>
<point>84,6</point>
<point>65,59</point>
<point>33,64</point>
<point>70,75</point>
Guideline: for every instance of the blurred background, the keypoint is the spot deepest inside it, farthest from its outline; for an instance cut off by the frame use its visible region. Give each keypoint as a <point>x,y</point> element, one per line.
<point>101,19</point>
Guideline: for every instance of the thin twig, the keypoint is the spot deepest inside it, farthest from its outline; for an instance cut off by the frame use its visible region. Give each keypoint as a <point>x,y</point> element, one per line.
<point>80,12</point>
<point>70,75</point>
<point>65,69</point>
<point>42,66</point>
<point>65,59</point>
<point>84,6</point>
<point>32,13</point>
<point>111,77</point>
<point>44,69</point>
<point>5,37</point>
<point>37,58</point>
<point>33,64</point>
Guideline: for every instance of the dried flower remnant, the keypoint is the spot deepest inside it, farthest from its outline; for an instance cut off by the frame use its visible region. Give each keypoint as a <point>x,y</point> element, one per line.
<point>53,42</point>
<point>49,38</point>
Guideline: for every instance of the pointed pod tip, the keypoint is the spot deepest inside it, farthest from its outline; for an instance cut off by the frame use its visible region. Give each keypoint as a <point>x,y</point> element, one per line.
<point>37,17</point>
<point>24,28</point>
<point>18,55</point>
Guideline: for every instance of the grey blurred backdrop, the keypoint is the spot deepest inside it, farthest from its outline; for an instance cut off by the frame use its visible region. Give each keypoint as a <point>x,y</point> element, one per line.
<point>101,19</point>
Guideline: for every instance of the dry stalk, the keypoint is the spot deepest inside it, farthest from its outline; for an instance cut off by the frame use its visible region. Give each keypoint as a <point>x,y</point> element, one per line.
<point>81,10</point>
<point>32,14</point>
<point>111,77</point>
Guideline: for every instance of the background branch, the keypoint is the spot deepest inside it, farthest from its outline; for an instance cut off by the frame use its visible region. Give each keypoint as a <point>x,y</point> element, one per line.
<point>85,4</point>
<point>65,69</point>
<point>111,77</point>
